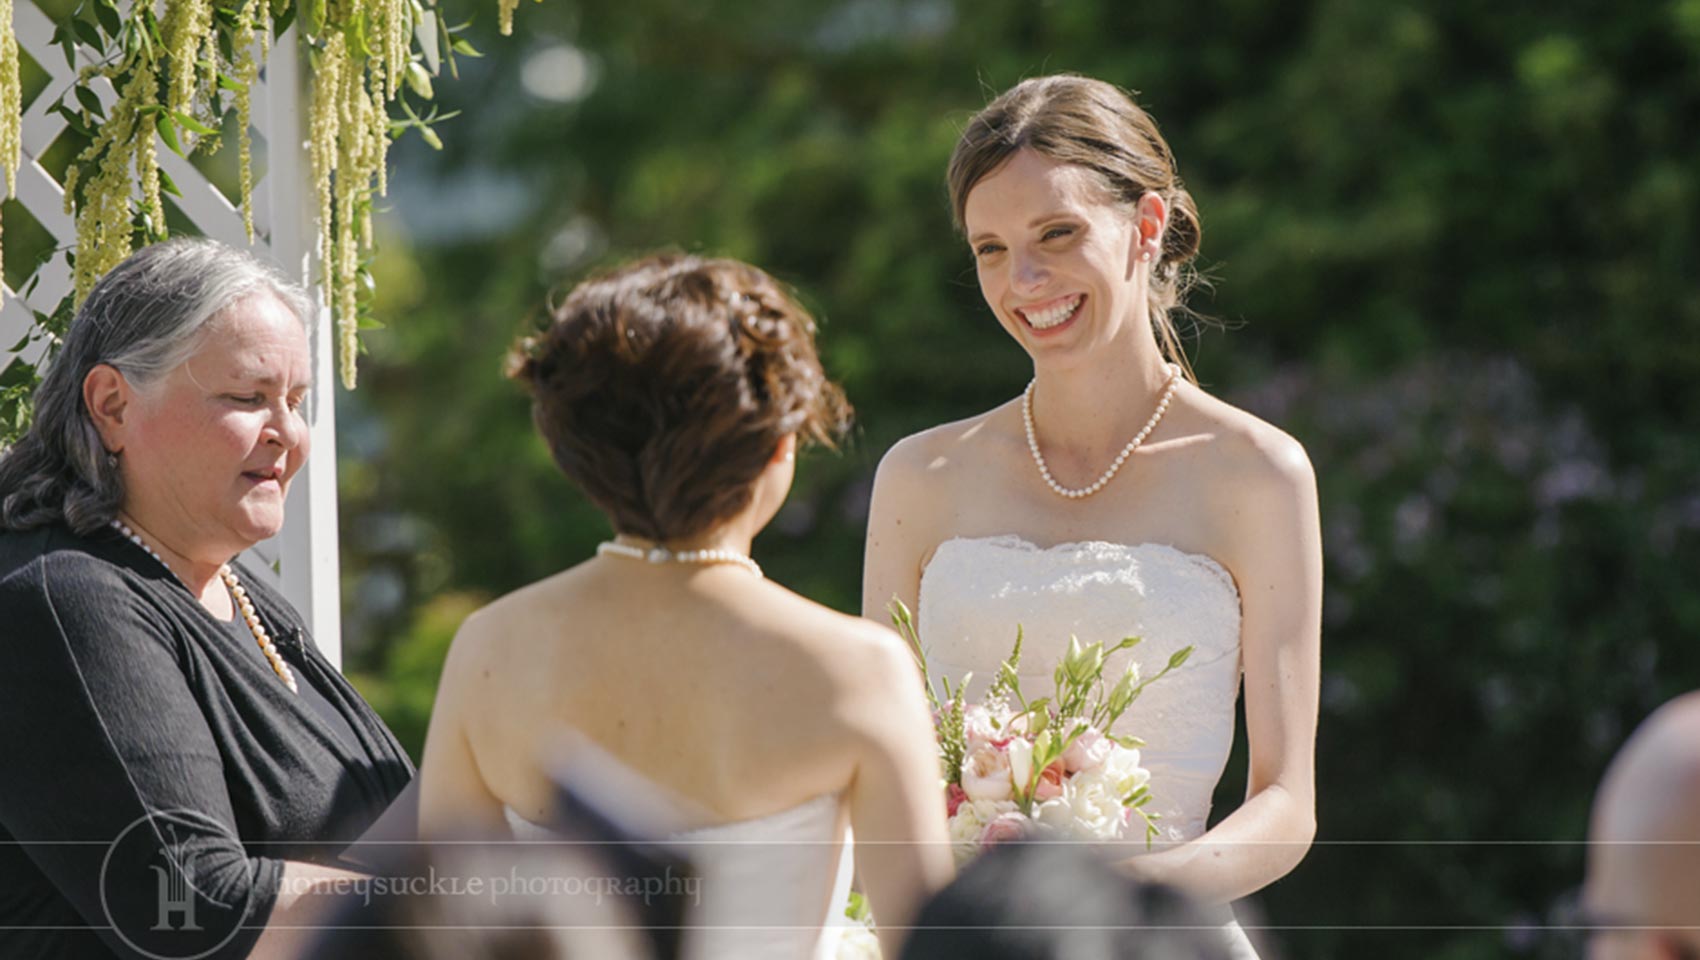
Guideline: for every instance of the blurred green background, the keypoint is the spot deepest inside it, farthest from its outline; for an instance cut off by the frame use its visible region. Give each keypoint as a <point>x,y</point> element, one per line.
<point>1454,249</point>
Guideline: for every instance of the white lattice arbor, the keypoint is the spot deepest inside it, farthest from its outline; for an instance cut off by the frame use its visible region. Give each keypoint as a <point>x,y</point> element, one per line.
<point>305,553</point>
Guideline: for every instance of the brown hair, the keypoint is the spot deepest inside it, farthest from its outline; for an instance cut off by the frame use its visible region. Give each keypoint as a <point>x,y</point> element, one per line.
<point>664,387</point>
<point>1095,125</point>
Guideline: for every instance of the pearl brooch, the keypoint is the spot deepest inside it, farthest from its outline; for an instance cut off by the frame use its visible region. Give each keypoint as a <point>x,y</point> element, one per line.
<point>245,606</point>
<point>1121,458</point>
<point>664,555</point>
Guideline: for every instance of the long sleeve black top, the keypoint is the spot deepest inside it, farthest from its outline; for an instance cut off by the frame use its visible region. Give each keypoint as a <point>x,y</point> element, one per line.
<point>154,772</point>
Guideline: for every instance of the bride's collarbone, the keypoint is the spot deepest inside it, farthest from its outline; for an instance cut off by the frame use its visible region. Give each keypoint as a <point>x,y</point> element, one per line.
<point>1125,502</point>
<point>1131,515</point>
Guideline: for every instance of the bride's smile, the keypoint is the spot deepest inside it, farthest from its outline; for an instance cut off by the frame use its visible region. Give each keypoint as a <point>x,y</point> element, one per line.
<point>1052,314</point>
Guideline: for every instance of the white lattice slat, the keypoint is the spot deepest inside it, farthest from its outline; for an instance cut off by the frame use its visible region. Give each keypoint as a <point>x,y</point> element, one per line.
<point>15,321</point>
<point>45,198</point>
<point>203,203</point>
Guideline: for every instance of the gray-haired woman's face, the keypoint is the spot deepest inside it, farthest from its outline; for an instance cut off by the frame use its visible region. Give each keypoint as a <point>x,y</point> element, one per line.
<point>210,450</point>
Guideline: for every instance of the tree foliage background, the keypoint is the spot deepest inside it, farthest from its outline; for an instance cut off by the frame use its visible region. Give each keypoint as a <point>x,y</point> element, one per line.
<point>1454,251</point>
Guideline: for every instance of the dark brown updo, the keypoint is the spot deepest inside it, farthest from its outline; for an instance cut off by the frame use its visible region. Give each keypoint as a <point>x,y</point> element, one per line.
<point>1097,126</point>
<point>664,387</point>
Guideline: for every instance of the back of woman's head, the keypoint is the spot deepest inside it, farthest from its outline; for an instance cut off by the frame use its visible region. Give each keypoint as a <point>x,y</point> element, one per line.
<point>144,318</point>
<point>1051,901</point>
<point>664,387</point>
<point>1097,126</point>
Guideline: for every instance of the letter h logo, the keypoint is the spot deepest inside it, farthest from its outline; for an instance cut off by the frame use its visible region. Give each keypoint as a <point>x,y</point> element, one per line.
<point>175,895</point>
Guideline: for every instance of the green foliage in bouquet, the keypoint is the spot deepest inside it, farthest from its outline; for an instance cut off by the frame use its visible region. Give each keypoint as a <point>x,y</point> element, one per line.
<point>1079,701</point>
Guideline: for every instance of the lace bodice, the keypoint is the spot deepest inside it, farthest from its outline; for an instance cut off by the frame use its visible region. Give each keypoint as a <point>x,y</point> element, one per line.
<point>974,592</point>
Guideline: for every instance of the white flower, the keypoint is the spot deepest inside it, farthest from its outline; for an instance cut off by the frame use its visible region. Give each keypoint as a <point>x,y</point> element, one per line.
<point>1020,764</point>
<point>973,815</point>
<point>858,943</point>
<point>979,727</point>
<point>970,821</point>
<point>1013,725</point>
<point>1087,810</point>
<point>1055,816</point>
<point>1097,810</point>
<point>1121,771</point>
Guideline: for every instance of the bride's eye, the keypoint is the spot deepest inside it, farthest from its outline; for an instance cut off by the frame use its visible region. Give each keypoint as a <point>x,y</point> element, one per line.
<point>1055,232</point>
<point>987,249</point>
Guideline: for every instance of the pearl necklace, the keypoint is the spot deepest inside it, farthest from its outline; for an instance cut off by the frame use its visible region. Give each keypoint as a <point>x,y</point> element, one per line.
<point>664,555</point>
<point>1121,458</point>
<point>237,593</point>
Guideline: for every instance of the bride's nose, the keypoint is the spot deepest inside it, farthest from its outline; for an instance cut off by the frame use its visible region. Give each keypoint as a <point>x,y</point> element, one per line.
<point>1027,272</point>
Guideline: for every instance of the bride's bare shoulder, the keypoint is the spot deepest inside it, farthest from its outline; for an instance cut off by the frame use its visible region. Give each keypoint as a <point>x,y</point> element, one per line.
<point>846,655</point>
<point>949,448</point>
<point>867,661</point>
<point>516,617</point>
<point>1242,448</point>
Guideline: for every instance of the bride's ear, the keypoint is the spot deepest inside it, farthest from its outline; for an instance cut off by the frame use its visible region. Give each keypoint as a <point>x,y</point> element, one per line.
<point>1150,218</point>
<point>786,451</point>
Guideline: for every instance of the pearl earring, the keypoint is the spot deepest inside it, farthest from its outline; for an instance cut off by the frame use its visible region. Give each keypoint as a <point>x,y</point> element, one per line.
<point>1145,257</point>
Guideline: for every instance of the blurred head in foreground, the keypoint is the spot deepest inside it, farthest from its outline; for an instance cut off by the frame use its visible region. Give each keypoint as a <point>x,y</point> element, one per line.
<point>1050,901</point>
<point>1643,885</point>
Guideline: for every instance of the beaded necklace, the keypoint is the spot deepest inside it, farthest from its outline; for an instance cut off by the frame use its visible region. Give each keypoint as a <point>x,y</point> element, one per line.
<point>239,594</point>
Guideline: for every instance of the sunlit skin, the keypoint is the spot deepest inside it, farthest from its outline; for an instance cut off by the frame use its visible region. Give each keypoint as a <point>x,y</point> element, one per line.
<point>1210,479</point>
<point>209,451</point>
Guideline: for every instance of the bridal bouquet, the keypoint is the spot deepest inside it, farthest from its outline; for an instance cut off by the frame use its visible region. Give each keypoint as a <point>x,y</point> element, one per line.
<point>1045,767</point>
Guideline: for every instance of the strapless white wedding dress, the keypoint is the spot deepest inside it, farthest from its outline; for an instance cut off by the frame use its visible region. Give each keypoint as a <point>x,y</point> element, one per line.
<point>974,593</point>
<point>769,887</point>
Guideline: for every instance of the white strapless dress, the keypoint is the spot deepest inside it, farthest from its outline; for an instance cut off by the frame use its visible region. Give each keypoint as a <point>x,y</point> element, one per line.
<point>974,592</point>
<point>770,887</point>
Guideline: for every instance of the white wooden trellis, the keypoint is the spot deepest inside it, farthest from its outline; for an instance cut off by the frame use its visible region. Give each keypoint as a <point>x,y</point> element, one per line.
<point>305,553</point>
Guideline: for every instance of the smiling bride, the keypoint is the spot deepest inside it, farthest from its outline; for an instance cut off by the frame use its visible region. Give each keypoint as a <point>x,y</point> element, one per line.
<point>1114,497</point>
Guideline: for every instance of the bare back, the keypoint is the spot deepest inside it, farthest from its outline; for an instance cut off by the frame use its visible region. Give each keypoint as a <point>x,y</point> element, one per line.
<point>725,689</point>
<point>728,690</point>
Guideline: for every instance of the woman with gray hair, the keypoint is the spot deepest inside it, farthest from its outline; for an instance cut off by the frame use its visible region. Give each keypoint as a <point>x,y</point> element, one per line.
<point>179,766</point>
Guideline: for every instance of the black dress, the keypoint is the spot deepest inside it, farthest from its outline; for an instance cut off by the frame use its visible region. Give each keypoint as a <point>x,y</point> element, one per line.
<point>154,772</point>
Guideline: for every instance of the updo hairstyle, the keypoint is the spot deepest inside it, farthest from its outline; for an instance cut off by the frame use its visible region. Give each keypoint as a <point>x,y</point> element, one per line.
<point>664,387</point>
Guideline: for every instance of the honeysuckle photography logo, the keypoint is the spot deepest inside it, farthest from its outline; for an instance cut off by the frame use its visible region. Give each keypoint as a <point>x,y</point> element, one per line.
<point>148,893</point>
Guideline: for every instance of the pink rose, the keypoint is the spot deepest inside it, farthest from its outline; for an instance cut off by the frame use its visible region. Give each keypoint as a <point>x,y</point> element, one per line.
<point>1050,785</point>
<point>1003,828</point>
<point>953,797</point>
<point>985,774</point>
<point>1088,751</point>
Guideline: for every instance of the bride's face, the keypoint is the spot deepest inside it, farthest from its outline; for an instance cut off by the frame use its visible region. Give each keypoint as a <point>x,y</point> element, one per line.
<point>1056,259</point>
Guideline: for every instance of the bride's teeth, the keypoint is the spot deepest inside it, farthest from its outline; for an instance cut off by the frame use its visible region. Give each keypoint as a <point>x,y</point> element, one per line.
<point>1053,316</point>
